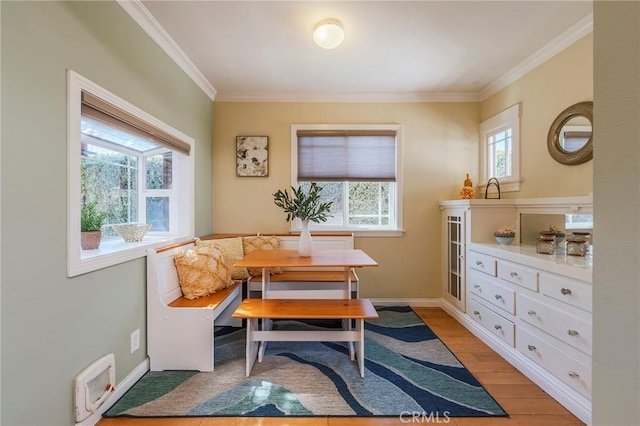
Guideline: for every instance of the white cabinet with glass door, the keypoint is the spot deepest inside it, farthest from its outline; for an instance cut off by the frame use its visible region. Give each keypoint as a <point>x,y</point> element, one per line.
<point>453,251</point>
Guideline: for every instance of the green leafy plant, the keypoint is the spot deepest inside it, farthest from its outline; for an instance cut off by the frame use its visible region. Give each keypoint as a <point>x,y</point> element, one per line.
<point>303,205</point>
<point>91,218</point>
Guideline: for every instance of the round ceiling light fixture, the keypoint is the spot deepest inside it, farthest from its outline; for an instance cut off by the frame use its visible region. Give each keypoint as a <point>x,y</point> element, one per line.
<point>328,33</point>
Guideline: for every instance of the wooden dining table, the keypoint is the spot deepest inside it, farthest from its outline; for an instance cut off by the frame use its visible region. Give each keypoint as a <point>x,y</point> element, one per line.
<point>267,259</point>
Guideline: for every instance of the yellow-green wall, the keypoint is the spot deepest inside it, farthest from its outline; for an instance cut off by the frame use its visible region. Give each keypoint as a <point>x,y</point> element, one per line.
<point>543,93</point>
<point>440,146</point>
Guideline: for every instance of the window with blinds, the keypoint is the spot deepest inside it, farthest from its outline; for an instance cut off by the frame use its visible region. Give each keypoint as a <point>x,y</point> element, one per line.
<point>130,166</point>
<point>357,167</point>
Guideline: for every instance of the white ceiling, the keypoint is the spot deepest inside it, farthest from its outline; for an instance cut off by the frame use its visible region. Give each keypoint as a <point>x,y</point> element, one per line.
<point>393,50</point>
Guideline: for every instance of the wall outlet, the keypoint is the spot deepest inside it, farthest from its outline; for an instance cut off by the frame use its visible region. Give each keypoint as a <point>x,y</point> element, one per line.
<point>135,340</point>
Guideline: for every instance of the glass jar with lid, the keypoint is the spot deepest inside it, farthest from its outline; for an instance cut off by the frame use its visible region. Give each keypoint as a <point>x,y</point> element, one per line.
<point>577,245</point>
<point>546,243</point>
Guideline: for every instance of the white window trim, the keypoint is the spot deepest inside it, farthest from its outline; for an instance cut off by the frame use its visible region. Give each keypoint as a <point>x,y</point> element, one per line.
<point>398,231</point>
<point>114,252</point>
<point>509,118</point>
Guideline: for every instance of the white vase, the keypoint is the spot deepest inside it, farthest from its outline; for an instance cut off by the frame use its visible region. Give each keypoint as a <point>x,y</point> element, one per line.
<point>305,243</point>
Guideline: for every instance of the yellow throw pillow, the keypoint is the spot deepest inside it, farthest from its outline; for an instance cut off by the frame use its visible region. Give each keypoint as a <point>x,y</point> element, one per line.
<point>261,242</point>
<point>231,249</point>
<point>201,271</point>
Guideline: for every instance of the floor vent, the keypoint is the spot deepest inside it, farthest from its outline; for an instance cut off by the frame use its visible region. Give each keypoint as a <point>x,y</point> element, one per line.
<point>94,385</point>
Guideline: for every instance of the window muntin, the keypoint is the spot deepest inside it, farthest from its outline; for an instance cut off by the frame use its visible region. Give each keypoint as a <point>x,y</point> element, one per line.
<point>365,191</point>
<point>500,136</point>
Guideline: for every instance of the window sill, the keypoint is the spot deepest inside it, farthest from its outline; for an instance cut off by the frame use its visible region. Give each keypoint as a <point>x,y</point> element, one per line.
<point>359,232</point>
<point>114,252</point>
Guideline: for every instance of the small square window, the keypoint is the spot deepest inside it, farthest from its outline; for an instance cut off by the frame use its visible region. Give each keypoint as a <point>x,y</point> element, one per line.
<point>500,153</point>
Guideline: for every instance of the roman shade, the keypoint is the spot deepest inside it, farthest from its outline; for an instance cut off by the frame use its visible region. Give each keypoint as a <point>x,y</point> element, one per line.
<point>347,155</point>
<point>99,110</point>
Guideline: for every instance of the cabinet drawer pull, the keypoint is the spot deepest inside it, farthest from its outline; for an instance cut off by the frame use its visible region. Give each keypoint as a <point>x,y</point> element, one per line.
<point>573,333</point>
<point>498,296</point>
<point>565,291</point>
<point>476,313</point>
<point>514,274</point>
<point>574,375</point>
<point>497,327</point>
<point>531,348</point>
<point>479,263</point>
<point>532,313</point>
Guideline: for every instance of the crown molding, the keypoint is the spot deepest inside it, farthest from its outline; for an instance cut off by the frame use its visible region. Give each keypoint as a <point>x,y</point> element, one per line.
<point>353,97</point>
<point>152,27</point>
<point>555,46</point>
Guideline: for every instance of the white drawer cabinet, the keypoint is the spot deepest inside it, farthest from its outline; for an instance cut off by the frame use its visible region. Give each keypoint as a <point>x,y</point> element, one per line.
<point>573,292</point>
<point>488,289</point>
<point>537,313</point>
<point>532,309</point>
<point>555,322</point>
<point>518,274</point>
<point>481,262</point>
<point>495,323</point>
<point>571,371</point>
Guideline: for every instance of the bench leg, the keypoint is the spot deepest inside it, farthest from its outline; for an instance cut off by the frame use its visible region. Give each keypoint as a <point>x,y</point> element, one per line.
<point>360,330</point>
<point>266,326</point>
<point>346,325</point>
<point>251,345</point>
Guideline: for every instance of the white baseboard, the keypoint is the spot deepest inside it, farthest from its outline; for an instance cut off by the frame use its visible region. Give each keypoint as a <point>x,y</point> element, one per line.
<point>121,388</point>
<point>421,302</point>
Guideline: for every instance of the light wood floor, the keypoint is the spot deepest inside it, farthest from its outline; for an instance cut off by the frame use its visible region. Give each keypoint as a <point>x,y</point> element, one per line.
<point>526,403</point>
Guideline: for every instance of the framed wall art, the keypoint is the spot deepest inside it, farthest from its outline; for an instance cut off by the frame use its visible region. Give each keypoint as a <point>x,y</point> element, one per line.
<point>252,156</point>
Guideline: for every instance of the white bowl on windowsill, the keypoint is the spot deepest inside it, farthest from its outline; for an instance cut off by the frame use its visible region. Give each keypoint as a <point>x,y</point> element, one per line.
<point>132,232</point>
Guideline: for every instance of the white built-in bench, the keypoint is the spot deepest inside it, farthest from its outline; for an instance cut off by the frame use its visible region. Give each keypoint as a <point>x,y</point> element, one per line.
<point>274,309</point>
<point>180,332</point>
<point>297,283</point>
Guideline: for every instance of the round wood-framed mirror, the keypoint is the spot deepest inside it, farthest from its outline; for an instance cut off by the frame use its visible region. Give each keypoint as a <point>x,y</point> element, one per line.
<point>570,138</point>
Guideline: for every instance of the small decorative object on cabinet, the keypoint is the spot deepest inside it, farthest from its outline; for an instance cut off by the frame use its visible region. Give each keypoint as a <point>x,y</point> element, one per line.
<point>546,243</point>
<point>577,245</point>
<point>505,234</point>
<point>492,182</point>
<point>467,192</point>
<point>306,206</point>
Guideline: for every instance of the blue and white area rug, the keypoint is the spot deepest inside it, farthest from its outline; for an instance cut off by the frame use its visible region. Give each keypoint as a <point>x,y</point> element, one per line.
<point>409,372</point>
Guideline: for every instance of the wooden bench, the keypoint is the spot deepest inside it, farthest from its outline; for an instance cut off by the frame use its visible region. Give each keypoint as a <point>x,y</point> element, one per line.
<point>180,332</point>
<point>273,309</point>
<point>296,283</point>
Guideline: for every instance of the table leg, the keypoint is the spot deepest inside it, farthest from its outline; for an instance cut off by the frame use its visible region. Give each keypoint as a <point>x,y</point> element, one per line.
<point>266,323</point>
<point>266,326</point>
<point>346,324</point>
<point>251,345</point>
<point>360,329</point>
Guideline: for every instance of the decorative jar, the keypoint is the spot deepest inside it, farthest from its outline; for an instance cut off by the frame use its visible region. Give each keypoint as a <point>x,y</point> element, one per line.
<point>577,246</point>
<point>546,244</point>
